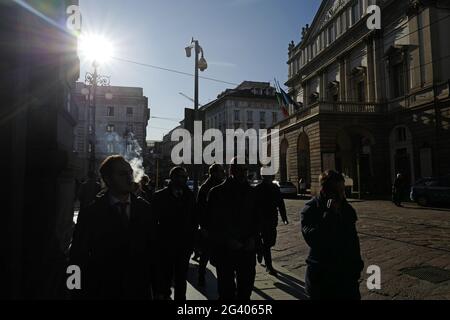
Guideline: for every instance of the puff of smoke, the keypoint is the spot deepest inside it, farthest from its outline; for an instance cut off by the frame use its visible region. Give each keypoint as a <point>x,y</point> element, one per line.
<point>129,148</point>
<point>133,155</point>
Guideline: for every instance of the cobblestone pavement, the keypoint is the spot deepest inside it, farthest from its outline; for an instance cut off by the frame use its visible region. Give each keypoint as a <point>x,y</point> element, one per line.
<point>285,286</point>
<point>392,238</point>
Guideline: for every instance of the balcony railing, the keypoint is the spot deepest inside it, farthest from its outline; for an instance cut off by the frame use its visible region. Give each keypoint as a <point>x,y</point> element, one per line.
<point>439,91</point>
<point>335,107</point>
<point>351,107</point>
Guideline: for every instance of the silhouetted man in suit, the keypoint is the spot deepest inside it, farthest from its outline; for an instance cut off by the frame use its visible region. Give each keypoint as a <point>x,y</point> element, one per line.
<point>398,189</point>
<point>270,203</point>
<point>233,233</point>
<point>216,176</point>
<point>114,239</point>
<point>328,226</point>
<point>174,209</point>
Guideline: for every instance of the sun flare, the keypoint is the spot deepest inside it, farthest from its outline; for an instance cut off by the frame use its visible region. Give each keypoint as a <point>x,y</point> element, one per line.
<point>96,48</point>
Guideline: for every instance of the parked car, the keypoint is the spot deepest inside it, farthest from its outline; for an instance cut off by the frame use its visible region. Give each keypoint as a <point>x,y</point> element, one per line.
<point>288,189</point>
<point>435,190</point>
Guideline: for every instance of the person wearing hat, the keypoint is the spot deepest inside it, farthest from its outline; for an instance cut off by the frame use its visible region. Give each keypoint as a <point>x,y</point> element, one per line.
<point>328,224</point>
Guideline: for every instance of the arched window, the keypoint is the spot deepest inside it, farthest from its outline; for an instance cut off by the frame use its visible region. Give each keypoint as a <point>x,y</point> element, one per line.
<point>401,152</point>
<point>303,158</point>
<point>283,161</point>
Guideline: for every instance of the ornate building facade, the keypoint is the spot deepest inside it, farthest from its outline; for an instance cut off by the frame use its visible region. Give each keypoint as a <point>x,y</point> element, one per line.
<point>251,105</point>
<point>121,118</point>
<point>375,102</point>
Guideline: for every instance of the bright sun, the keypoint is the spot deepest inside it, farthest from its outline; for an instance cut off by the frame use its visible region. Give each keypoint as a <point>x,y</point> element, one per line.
<point>96,48</point>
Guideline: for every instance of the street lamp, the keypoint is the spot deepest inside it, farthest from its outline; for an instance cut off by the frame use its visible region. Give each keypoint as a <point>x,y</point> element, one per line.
<point>93,80</point>
<point>202,65</point>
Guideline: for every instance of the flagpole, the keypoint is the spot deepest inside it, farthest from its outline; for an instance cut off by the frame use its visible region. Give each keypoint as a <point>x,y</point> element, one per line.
<point>280,99</point>
<point>277,87</point>
<point>288,99</point>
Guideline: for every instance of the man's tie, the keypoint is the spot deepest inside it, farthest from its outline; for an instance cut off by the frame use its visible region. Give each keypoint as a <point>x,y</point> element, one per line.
<point>122,209</point>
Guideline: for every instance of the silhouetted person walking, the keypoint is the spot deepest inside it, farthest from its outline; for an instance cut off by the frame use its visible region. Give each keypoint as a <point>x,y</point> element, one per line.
<point>88,190</point>
<point>270,202</point>
<point>233,233</point>
<point>328,226</point>
<point>174,208</point>
<point>216,176</point>
<point>114,238</point>
<point>302,186</point>
<point>397,190</point>
<point>145,190</point>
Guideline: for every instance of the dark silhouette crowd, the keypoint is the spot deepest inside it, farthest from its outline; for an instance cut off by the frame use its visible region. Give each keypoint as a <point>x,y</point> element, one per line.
<point>131,242</point>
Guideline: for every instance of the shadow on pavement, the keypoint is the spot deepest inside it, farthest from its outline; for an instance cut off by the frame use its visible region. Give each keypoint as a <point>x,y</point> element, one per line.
<point>291,285</point>
<point>262,294</point>
<point>210,288</point>
<point>289,278</point>
<point>287,284</point>
<point>289,290</point>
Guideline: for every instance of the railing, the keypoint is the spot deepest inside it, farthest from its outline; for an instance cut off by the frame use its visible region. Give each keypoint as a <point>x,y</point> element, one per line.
<point>351,107</point>
<point>334,107</point>
<point>427,95</point>
<point>439,91</point>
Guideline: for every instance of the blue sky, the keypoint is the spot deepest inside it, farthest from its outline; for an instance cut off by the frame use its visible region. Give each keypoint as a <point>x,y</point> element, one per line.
<point>242,40</point>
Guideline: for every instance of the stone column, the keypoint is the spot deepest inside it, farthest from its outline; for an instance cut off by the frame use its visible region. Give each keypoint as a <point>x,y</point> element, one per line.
<point>305,94</point>
<point>370,70</point>
<point>377,65</point>
<point>342,80</point>
<point>348,80</point>
<point>322,78</point>
<point>416,58</point>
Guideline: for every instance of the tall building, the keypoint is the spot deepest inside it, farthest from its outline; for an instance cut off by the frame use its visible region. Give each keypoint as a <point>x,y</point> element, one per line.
<point>375,101</point>
<point>38,68</point>
<point>251,105</point>
<point>121,118</point>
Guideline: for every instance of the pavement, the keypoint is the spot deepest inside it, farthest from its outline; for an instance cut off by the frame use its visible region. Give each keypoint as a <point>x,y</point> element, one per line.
<point>403,242</point>
<point>285,286</point>
<point>395,239</point>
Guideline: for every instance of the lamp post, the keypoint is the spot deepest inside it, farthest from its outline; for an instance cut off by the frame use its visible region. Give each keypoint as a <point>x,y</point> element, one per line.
<point>93,80</point>
<point>202,65</point>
